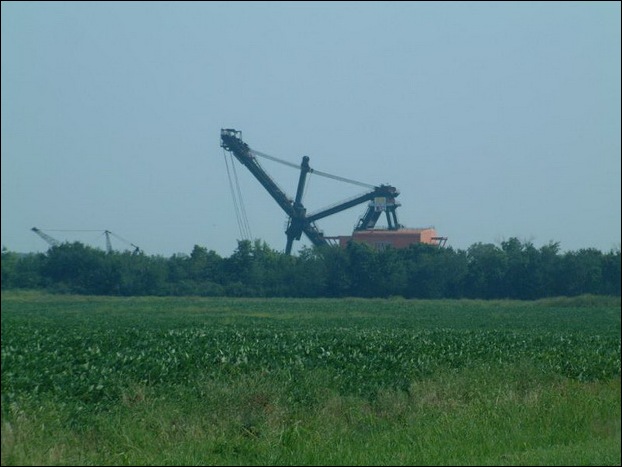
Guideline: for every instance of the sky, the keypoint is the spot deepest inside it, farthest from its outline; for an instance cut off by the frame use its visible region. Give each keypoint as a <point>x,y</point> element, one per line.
<point>493,120</point>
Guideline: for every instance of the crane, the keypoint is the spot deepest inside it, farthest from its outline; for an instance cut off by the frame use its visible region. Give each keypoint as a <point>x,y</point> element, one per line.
<point>382,197</point>
<point>53,242</point>
<point>108,233</point>
<point>50,240</point>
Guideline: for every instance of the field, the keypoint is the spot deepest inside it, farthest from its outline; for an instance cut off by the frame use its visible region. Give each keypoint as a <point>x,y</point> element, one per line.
<point>221,381</point>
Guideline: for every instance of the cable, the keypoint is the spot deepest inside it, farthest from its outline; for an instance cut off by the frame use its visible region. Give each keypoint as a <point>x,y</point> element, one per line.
<point>272,158</point>
<point>306,185</point>
<point>235,201</point>
<point>317,172</point>
<point>122,239</point>
<point>74,230</point>
<point>342,179</point>
<point>244,217</point>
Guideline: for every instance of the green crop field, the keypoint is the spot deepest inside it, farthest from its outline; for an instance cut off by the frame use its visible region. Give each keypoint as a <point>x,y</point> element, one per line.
<point>222,381</point>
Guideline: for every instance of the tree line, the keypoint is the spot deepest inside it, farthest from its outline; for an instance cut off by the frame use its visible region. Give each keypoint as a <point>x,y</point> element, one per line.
<point>514,269</point>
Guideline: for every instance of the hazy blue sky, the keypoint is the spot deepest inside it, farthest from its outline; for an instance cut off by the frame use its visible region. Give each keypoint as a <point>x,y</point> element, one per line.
<point>494,120</point>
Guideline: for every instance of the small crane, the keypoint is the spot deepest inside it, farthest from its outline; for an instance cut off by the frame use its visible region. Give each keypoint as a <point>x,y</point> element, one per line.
<point>108,244</point>
<point>53,242</point>
<point>50,240</point>
<point>108,233</point>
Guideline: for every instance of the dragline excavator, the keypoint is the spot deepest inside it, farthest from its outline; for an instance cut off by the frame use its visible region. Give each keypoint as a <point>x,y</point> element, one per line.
<point>381,198</point>
<point>54,242</point>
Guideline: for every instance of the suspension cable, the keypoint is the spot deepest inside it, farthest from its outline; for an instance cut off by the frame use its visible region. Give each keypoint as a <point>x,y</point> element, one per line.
<point>317,172</point>
<point>122,239</point>
<point>342,179</point>
<point>245,223</point>
<point>235,201</point>
<point>275,159</point>
<point>304,193</point>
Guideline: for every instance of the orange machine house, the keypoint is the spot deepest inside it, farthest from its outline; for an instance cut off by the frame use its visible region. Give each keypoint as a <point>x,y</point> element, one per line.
<point>401,238</point>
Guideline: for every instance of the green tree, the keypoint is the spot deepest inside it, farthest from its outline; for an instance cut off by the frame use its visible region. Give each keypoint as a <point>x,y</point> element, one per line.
<point>433,272</point>
<point>205,268</point>
<point>611,273</point>
<point>76,268</point>
<point>524,278</point>
<point>338,277</point>
<point>362,269</point>
<point>581,272</point>
<point>309,273</point>
<point>21,270</point>
<point>486,274</point>
<point>391,278</point>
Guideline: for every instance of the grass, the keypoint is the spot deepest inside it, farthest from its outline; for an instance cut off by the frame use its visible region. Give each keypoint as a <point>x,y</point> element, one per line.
<point>509,401</point>
<point>458,418</point>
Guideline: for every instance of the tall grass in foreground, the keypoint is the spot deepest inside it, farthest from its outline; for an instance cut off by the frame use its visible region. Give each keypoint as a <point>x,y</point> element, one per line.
<point>500,416</point>
<point>303,382</point>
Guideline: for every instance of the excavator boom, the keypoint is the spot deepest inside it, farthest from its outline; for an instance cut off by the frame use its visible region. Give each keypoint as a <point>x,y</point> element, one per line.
<point>50,240</point>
